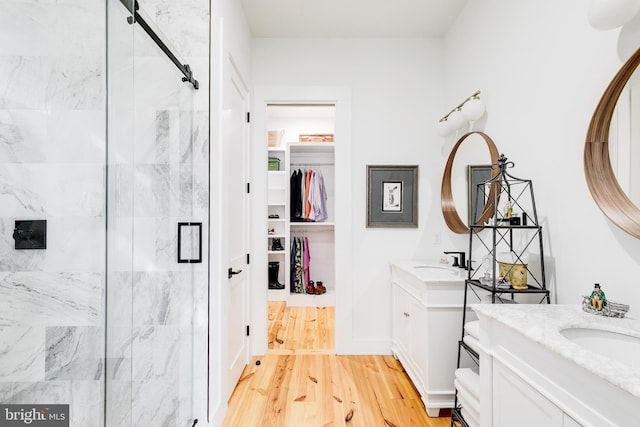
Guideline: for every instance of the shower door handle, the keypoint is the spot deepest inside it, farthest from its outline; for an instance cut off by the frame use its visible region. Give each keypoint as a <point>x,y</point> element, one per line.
<point>233,273</point>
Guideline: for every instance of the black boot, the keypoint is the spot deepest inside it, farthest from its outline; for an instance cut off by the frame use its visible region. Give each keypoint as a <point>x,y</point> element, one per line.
<point>274,270</point>
<point>276,245</point>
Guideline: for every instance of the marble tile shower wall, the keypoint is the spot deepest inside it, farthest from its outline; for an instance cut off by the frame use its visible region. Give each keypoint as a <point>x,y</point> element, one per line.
<point>52,147</point>
<point>52,166</point>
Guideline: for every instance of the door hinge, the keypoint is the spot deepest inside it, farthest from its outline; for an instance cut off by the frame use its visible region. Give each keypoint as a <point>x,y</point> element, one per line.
<point>248,117</point>
<point>248,259</point>
<point>248,187</point>
<point>247,330</point>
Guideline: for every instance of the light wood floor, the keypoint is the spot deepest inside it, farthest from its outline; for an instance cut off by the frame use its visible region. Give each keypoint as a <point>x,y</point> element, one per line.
<point>300,330</point>
<point>302,383</point>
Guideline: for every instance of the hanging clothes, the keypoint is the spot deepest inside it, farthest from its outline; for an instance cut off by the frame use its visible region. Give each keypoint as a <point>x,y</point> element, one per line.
<point>297,267</point>
<point>307,209</point>
<point>295,197</point>
<point>317,198</point>
<point>306,261</point>
<point>292,266</point>
<point>294,183</point>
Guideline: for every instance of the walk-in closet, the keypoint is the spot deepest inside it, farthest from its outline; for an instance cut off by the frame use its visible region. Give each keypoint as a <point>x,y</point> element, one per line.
<point>301,204</point>
<point>301,208</point>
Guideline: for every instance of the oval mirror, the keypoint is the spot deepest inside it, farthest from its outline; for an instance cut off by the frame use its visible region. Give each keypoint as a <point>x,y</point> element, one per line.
<point>468,164</point>
<point>602,181</point>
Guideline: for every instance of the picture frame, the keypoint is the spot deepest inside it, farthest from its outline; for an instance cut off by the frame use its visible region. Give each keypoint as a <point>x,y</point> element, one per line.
<point>392,196</point>
<point>476,174</point>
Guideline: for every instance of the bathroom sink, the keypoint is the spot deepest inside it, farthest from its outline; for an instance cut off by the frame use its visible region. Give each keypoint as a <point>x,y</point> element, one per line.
<point>614,345</point>
<point>437,272</point>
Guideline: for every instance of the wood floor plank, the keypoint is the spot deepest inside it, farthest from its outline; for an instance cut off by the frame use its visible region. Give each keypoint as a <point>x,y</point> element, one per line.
<point>302,383</point>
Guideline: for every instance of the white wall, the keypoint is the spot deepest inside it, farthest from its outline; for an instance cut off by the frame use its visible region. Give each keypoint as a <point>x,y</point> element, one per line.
<point>542,70</point>
<point>395,84</point>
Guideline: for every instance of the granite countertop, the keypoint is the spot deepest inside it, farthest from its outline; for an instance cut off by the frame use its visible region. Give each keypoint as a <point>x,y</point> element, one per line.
<point>542,323</point>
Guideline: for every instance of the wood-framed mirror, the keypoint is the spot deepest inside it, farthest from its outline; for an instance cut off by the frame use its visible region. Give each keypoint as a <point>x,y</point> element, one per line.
<point>601,179</point>
<point>447,199</point>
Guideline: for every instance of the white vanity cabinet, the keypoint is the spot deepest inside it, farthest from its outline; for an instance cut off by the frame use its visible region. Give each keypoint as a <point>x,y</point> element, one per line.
<point>532,375</point>
<point>516,403</point>
<point>427,306</point>
<point>408,328</point>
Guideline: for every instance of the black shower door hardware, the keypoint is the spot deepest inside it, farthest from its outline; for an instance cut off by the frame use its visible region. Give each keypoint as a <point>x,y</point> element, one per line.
<point>190,228</point>
<point>133,7</point>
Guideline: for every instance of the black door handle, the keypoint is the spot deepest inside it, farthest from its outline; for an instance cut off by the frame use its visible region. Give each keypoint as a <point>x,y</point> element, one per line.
<point>233,273</point>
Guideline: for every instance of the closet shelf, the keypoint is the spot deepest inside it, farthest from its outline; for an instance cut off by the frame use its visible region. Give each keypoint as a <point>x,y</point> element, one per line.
<point>318,226</point>
<point>312,147</point>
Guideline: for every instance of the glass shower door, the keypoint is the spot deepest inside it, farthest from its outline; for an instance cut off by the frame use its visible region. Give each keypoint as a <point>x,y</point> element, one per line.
<point>157,211</point>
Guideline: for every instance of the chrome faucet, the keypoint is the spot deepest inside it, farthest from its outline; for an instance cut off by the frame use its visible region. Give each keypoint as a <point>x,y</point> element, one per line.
<point>458,262</point>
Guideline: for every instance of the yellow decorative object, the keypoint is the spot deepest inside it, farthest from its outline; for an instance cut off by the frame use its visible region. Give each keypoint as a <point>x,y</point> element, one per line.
<point>517,274</point>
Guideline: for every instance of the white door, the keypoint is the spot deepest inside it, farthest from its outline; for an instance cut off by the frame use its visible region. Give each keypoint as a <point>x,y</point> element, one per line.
<point>235,207</point>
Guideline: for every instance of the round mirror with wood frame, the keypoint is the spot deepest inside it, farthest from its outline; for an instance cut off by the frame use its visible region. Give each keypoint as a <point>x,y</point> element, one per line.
<point>601,179</point>
<point>449,211</point>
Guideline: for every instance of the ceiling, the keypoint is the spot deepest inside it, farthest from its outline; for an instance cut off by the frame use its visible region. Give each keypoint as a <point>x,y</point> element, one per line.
<point>351,18</point>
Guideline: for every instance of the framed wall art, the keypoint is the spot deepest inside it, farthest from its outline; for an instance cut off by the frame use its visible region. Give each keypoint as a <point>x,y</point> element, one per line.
<point>392,196</point>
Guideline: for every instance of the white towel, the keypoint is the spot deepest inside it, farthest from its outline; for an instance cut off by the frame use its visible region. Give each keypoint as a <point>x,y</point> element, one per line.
<point>468,417</point>
<point>472,342</point>
<point>470,401</point>
<point>473,328</point>
<point>468,380</point>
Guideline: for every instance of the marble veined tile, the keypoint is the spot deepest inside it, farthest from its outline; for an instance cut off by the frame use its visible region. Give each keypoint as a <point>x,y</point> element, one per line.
<point>156,353</point>
<point>38,298</point>
<point>19,196</point>
<point>61,136</point>
<point>118,404</point>
<point>75,83</point>
<point>163,90</point>
<point>88,403</point>
<point>194,137</point>
<point>156,298</point>
<point>74,190</point>
<point>152,190</point>
<point>22,82</point>
<point>155,403</point>
<point>186,23</point>
<point>55,392</point>
<point>75,244</point>
<point>22,353</point>
<point>31,190</point>
<point>33,24</point>
<point>22,137</point>
<point>163,136</point>
<point>74,353</point>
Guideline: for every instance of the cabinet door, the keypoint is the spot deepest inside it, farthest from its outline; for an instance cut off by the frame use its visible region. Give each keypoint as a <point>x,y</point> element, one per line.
<point>417,334</point>
<point>516,403</point>
<point>400,318</point>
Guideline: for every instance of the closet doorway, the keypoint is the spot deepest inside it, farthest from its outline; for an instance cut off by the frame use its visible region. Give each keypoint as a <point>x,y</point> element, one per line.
<point>297,144</point>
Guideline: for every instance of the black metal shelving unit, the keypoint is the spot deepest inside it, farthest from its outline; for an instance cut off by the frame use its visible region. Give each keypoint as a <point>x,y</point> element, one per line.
<point>512,230</point>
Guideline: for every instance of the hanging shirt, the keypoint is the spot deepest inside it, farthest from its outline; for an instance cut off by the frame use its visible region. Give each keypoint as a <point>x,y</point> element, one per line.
<point>306,262</point>
<point>306,198</point>
<point>317,198</point>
